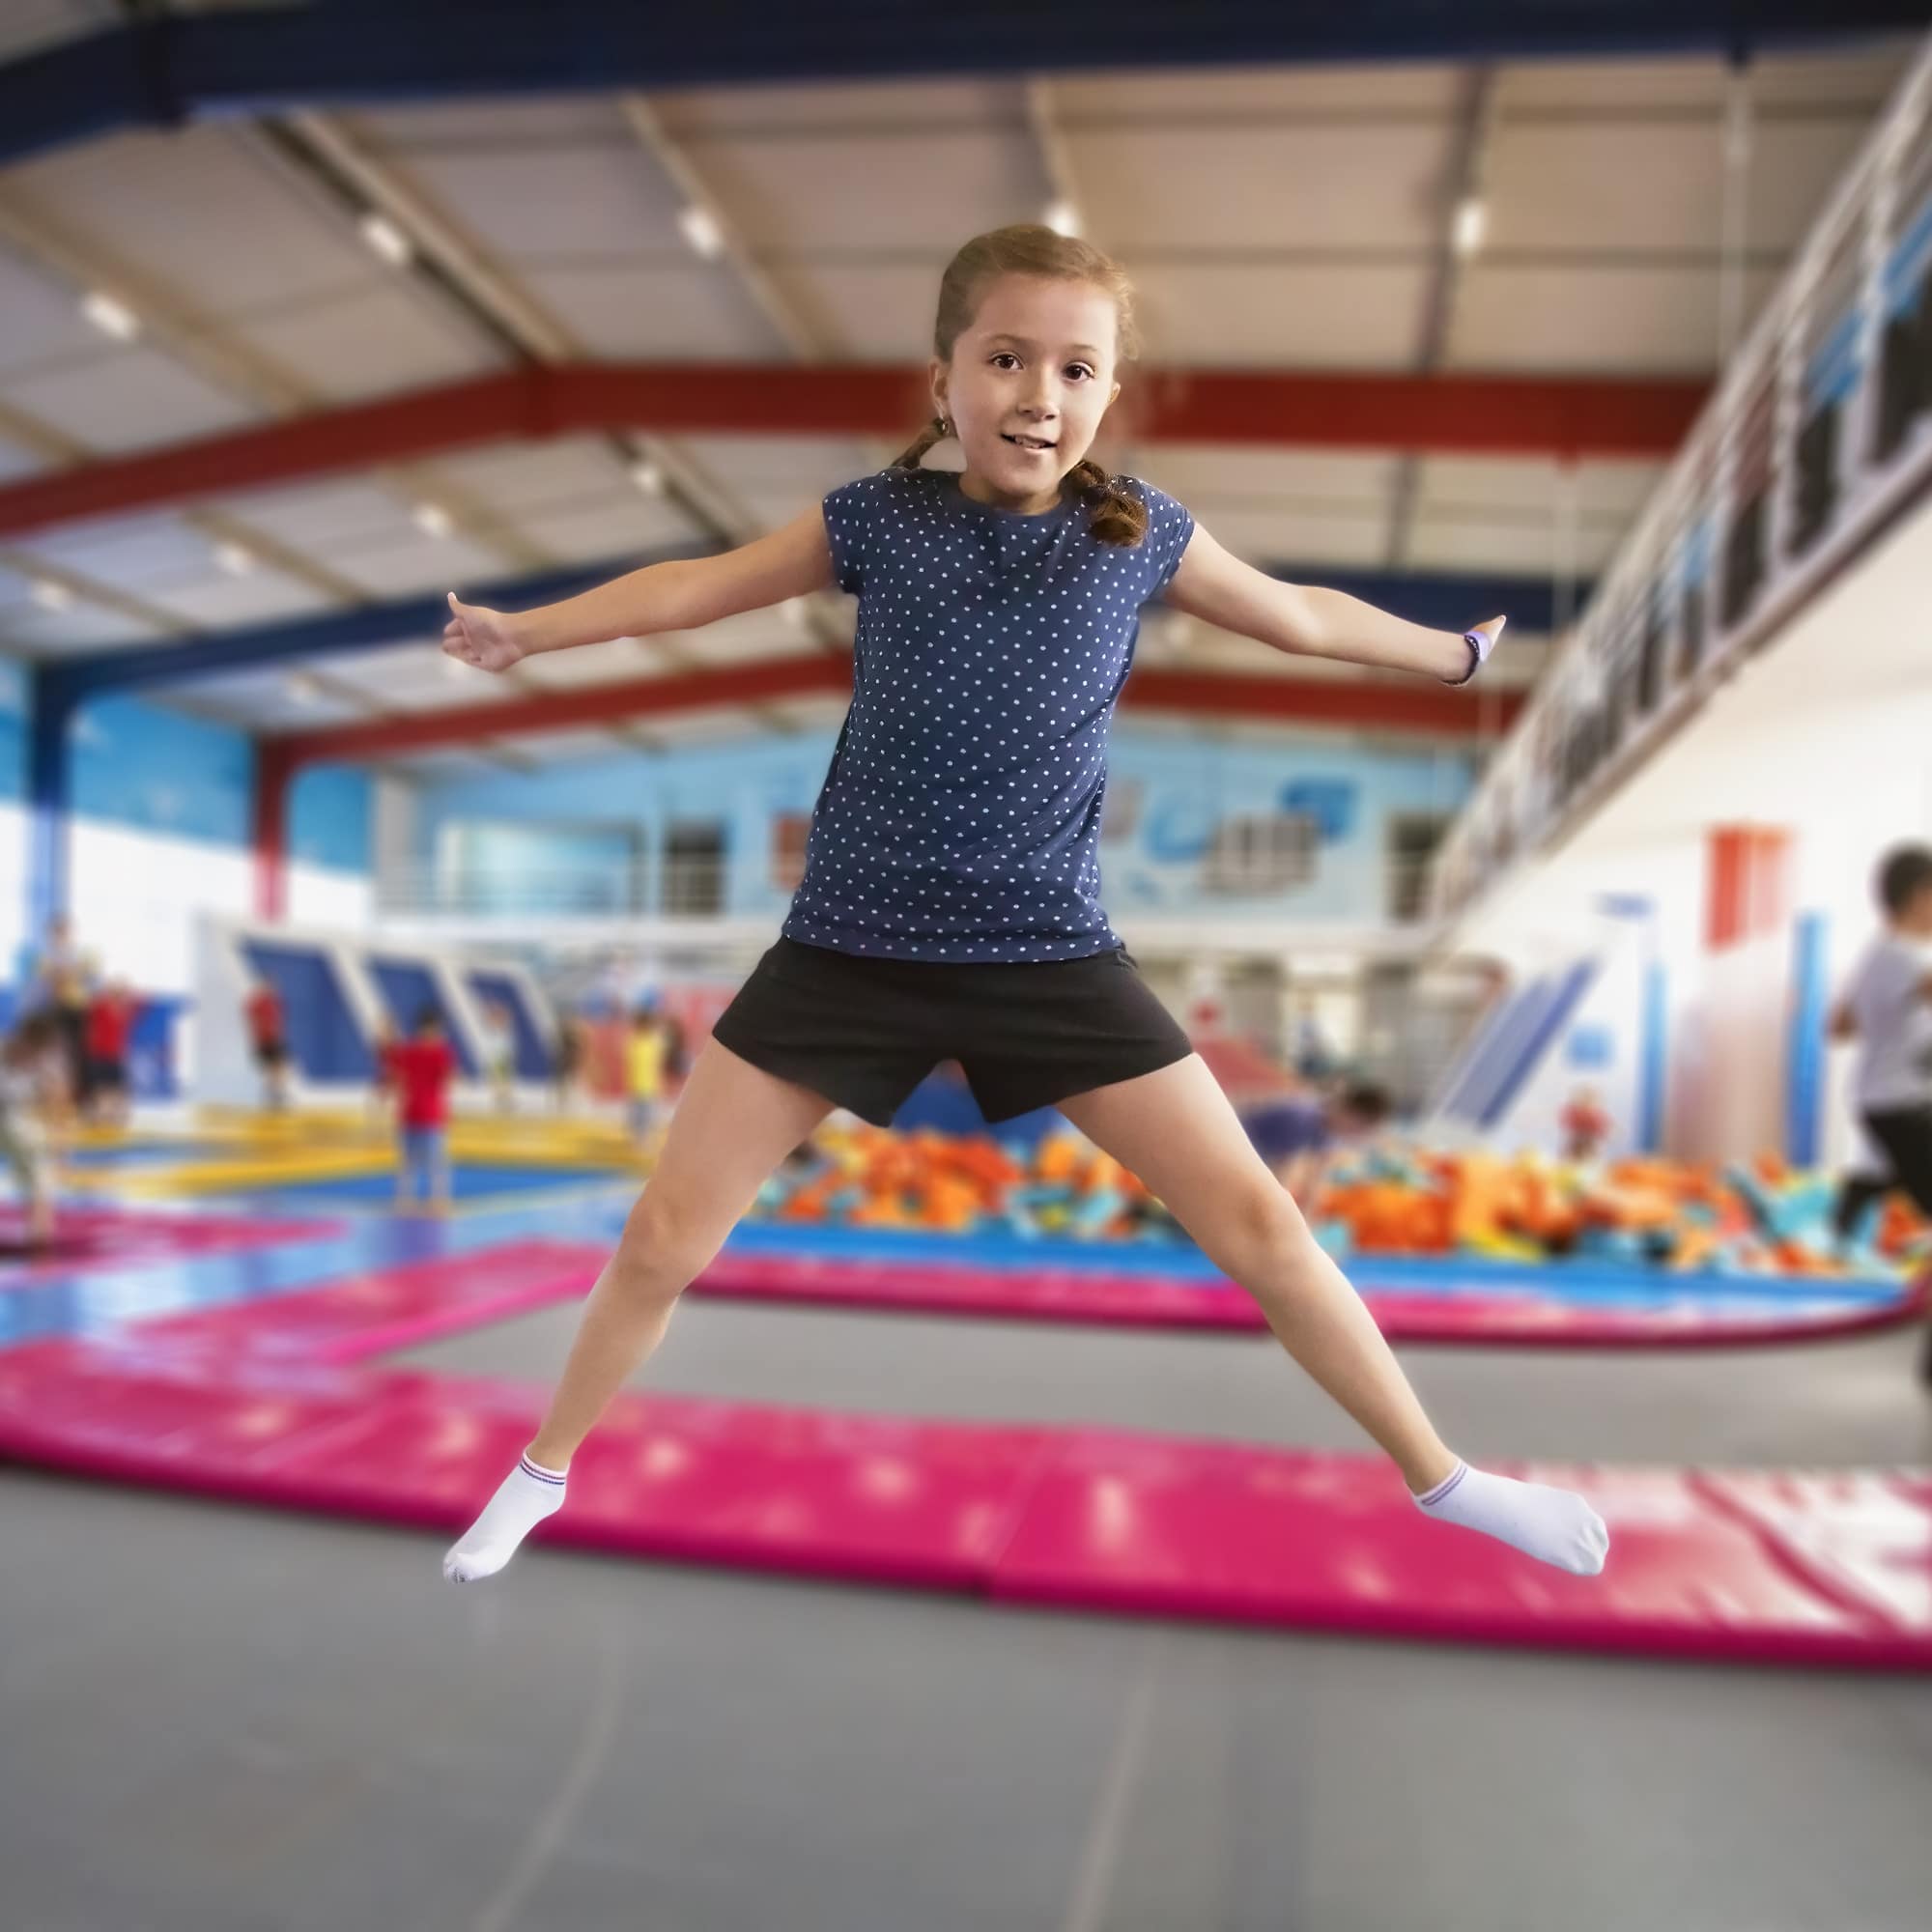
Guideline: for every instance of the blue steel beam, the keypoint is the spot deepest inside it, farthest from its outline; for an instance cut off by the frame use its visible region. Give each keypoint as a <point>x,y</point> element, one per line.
<point>163,70</point>
<point>1444,601</point>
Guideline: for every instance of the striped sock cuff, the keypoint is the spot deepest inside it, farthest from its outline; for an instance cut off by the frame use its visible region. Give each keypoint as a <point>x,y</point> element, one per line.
<point>539,1473</point>
<point>1445,1488</point>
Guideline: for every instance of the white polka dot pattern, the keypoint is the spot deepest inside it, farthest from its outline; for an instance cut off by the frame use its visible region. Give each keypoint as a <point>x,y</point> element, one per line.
<point>961,818</point>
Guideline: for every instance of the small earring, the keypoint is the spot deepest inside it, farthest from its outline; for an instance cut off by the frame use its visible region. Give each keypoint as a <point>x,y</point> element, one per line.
<point>943,425</point>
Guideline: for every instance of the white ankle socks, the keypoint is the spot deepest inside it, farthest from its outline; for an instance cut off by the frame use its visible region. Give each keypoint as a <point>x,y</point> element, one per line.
<point>527,1494</point>
<point>1553,1525</point>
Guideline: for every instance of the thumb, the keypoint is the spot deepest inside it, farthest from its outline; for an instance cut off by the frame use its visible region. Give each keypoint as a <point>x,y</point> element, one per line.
<point>457,605</point>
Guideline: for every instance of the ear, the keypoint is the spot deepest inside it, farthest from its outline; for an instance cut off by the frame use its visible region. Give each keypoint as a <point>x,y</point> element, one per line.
<point>937,374</point>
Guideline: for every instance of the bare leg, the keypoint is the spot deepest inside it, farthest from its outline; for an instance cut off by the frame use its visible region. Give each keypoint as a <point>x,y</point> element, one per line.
<point>733,1125</point>
<point>1177,1131</point>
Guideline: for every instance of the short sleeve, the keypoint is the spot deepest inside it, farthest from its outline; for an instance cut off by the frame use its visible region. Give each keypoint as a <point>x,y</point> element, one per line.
<point>849,513</point>
<point>1170,525</point>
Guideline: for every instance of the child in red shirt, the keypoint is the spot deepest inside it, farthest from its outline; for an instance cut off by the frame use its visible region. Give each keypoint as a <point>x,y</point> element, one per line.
<point>420,1071</point>
<point>110,1025</point>
<point>263,1012</point>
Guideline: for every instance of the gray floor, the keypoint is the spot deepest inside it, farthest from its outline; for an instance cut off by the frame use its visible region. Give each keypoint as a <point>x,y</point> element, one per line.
<point>213,1720</point>
<point>1831,1404</point>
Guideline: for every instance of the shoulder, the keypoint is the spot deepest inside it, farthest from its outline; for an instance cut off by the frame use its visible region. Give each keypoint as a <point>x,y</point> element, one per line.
<point>1160,506</point>
<point>1169,521</point>
<point>883,488</point>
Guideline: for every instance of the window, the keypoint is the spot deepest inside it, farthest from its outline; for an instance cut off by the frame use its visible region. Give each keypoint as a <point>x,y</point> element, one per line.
<point>1262,852</point>
<point>1413,838</point>
<point>789,831</point>
<point>694,879</point>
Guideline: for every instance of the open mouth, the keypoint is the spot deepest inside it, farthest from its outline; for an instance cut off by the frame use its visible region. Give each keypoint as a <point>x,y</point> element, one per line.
<point>1035,443</point>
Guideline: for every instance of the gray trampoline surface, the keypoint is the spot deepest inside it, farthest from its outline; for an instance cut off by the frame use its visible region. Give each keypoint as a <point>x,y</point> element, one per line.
<point>213,1720</point>
<point>1831,1403</point>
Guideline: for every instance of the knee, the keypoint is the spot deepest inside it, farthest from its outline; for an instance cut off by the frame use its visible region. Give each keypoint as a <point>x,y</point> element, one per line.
<point>1258,1223</point>
<point>664,1244</point>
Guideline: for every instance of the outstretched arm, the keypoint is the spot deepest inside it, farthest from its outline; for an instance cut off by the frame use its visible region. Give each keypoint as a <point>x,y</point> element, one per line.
<point>675,596</point>
<point>1221,589</point>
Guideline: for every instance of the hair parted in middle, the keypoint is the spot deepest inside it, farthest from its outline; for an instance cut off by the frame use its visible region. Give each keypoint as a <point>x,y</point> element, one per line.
<point>1028,248</point>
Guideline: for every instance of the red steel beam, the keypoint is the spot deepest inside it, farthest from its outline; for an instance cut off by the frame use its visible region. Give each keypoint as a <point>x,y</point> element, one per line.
<point>1443,415</point>
<point>1442,710</point>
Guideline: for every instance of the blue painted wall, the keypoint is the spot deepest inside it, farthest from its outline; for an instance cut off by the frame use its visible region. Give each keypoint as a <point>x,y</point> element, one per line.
<point>139,764</point>
<point>1181,788</point>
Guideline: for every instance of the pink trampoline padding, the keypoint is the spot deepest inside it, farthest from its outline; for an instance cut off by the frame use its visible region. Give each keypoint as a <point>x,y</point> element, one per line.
<point>87,1237</point>
<point>270,1401</point>
<point>1140,1300</point>
<point>389,1308</point>
<point>1334,1543</point>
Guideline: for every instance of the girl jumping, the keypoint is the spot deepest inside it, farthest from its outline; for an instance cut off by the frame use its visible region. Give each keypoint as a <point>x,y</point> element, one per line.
<point>949,905</point>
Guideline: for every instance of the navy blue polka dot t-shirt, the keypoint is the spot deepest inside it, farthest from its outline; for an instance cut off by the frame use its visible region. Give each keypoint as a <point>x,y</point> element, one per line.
<point>961,818</point>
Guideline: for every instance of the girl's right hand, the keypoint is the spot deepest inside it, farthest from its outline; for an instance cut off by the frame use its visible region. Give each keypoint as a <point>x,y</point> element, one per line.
<point>475,635</point>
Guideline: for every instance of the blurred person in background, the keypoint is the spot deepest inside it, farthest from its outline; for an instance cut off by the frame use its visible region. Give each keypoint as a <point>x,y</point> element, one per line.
<point>1887,1008</point>
<point>267,1041</point>
<point>566,1061</point>
<point>382,1075</point>
<point>499,1046</point>
<point>111,1014</point>
<point>58,988</point>
<point>422,1068</point>
<point>646,1065</point>
<point>1585,1125</point>
<point>32,1098</point>
<point>1298,1135</point>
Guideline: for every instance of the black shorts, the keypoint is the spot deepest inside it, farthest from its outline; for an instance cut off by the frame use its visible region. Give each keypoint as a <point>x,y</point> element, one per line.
<point>864,1033</point>
<point>270,1054</point>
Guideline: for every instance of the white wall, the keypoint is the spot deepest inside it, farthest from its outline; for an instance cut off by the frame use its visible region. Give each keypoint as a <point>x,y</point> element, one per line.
<point>1827,733</point>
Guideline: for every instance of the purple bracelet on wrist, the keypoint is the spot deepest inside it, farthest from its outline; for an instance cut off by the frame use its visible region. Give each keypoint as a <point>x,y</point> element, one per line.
<point>1479,643</point>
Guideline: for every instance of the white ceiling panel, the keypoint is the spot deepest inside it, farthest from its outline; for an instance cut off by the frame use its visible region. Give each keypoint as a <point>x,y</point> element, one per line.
<point>897,191</point>
<point>418,677</point>
<point>368,339</point>
<point>419,563</point>
<point>33,632</point>
<point>883,312</point>
<point>1605,322</point>
<point>264,596</point>
<point>1346,536</point>
<point>619,522</point>
<point>324,517</point>
<point>1529,545</point>
<point>661,307</point>
<point>129,553</point>
<point>125,400</point>
<point>1281,317</point>
<point>513,476</point>
<point>1257,187</point>
<point>617,661</point>
<point>1212,93</point>
<point>1616,490</point>
<point>43,322</point>
<point>741,639</point>
<point>805,466</point>
<point>199,210</point>
<point>1301,477</point>
<point>557,120</point>
<point>265,700</point>
<point>755,113</point>
<point>539,203</point>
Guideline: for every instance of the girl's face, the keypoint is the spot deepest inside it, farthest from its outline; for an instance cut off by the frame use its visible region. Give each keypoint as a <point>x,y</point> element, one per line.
<point>1027,387</point>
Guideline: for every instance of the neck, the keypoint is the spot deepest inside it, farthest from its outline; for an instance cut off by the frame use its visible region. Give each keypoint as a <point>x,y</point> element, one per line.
<point>1031,504</point>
